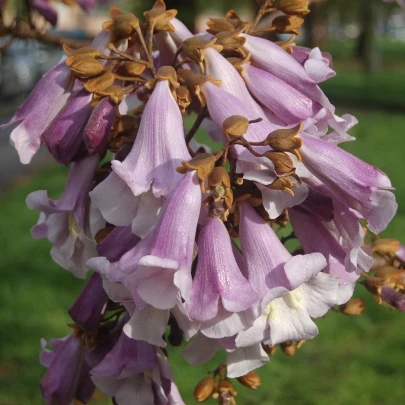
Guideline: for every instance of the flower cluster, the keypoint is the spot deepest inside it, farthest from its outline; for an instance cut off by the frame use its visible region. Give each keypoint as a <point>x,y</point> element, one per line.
<point>183,242</point>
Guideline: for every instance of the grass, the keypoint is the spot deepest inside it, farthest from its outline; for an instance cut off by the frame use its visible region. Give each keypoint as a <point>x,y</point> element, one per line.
<point>354,359</point>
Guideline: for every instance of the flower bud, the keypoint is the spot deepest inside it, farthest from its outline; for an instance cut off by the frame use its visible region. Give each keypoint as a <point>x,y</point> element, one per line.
<point>250,380</point>
<point>294,7</point>
<point>285,140</point>
<point>205,388</point>
<point>386,246</point>
<point>288,348</point>
<point>286,24</point>
<point>353,307</point>
<point>225,385</point>
<point>235,126</point>
<point>283,164</point>
<point>85,66</point>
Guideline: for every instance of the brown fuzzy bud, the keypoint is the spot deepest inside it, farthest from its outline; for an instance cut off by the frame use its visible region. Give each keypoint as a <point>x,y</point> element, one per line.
<point>294,7</point>
<point>288,348</point>
<point>235,126</point>
<point>287,24</point>
<point>194,48</point>
<point>283,164</point>
<point>183,98</point>
<point>203,163</point>
<point>286,183</point>
<point>99,83</point>
<point>123,25</point>
<point>159,17</point>
<point>353,307</point>
<point>230,41</point>
<point>386,246</point>
<point>250,380</point>
<point>85,51</point>
<point>225,385</point>
<point>205,388</point>
<point>115,92</point>
<point>285,140</point>
<point>131,69</point>
<point>85,66</point>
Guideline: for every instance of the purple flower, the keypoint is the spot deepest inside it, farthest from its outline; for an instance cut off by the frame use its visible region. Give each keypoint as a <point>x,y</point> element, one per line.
<point>67,377</point>
<point>220,294</point>
<point>98,127</point>
<point>39,109</point>
<point>357,184</point>
<point>231,81</point>
<point>293,287</point>
<point>135,372</point>
<point>64,135</point>
<point>393,298</point>
<point>158,149</point>
<point>317,64</point>
<point>88,309</point>
<point>70,222</point>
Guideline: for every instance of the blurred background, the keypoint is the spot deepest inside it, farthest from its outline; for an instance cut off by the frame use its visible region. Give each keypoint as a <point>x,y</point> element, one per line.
<point>354,359</point>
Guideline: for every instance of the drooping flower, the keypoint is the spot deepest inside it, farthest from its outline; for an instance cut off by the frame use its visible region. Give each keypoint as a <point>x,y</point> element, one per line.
<point>360,186</point>
<point>220,295</point>
<point>70,222</point>
<point>293,288</point>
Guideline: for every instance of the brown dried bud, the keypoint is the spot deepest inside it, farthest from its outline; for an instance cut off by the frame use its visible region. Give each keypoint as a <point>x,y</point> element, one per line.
<point>390,275</point>
<point>386,246</point>
<point>205,388</point>
<point>225,385</point>
<point>283,164</point>
<point>231,41</point>
<point>183,97</point>
<point>159,17</point>
<point>235,126</point>
<point>194,47</point>
<point>287,24</point>
<point>131,69</point>
<point>85,51</point>
<point>285,140</point>
<point>115,92</point>
<point>99,83</point>
<point>164,73</point>
<point>250,380</point>
<point>219,176</point>
<point>203,163</point>
<point>355,306</point>
<point>294,7</point>
<point>288,348</point>
<point>270,350</point>
<point>231,22</point>
<point>286,183</point>
<point>85,66</point>
<point>123,25</point>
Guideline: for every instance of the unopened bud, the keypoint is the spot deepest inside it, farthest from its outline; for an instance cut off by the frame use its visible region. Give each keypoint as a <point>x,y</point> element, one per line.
<point>99,83</point>
<point>204,163</point>
<point>288,348</point>
<point>226,386</point>
<point>285,140</point>
<point>353,307</point>
<point>294,7</point>
<point>287,24</point>
<point>250,380</point>
<point>204,388</point>
<point>160,17</point>
<point>123,25</point>
<point>386,246</point>
<point>131,69</point>
<point>235,126</point>
<point>283,164</point>
<point>183,98</point>
<point>85,66</point>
